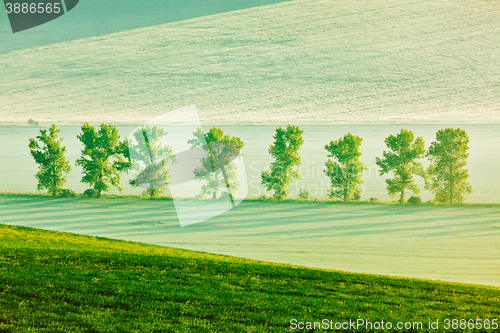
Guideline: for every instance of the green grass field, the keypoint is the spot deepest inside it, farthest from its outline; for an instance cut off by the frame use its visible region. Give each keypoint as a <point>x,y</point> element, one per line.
<point>302,62</point>
<point>460,244</point>
<point>60,282</point>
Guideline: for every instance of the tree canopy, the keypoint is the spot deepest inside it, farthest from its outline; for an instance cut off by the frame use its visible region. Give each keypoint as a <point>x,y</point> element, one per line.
<point>48,153</point>
<point>448,176</point>
<point>103,158</point>
<point>217,169</point>
<point>401,159</point>
<point>150,158</point>
<point>345,171</point>
<point>285,151</point>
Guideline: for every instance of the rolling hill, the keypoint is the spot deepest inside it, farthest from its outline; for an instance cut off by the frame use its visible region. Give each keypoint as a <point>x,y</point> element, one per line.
<point>302,62</point>
<point>97,18</point>
<point>60,282</point>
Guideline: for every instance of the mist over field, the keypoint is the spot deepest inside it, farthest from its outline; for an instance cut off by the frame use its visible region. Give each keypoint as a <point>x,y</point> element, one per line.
<point>482,165</point>
<point>451,243</point>
<point>302,62</point>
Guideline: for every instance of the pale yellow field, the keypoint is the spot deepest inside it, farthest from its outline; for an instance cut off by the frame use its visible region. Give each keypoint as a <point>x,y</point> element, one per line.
<point>302,62</point>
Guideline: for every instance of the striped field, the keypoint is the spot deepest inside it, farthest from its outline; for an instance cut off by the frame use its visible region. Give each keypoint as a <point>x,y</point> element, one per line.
<point>459,244</point>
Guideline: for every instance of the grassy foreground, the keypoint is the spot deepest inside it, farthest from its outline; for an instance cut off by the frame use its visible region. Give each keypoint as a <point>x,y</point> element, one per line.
<point>60,282</point>
<point>459,244</point>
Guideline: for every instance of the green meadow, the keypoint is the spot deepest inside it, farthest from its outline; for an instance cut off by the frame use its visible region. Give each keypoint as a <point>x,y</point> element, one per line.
<point>61,282</point>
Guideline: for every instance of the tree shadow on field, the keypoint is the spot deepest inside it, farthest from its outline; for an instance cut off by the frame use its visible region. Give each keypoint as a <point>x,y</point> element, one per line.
<point>152,218</point>
<point>320,220</point>
<point>92,213</point>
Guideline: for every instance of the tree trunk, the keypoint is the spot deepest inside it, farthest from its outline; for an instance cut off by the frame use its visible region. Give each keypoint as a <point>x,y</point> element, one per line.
<point>100,182</point>
<point>54,192</point>
<point>452,185</point>
<point>228,187</point>
<point>451,192</point>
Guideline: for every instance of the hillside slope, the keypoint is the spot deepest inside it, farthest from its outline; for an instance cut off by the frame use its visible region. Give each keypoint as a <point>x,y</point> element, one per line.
<point>304,61</point>
<point>96,18</point>
<point>60,282</point>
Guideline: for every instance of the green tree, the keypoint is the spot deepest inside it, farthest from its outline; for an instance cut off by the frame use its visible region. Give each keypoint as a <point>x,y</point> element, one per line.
<point>401,159</point>
<point>151,157</point>
<point>285,151</point>
<point>448,176</point>
<point>48,153</point>
<point>102,158</point>
<point>217,168</point>
<point>346,170</point>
